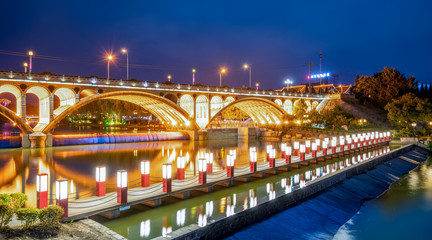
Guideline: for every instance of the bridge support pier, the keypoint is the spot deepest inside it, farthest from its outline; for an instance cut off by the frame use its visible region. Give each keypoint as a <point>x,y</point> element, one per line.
<point>37,140</point>
<point>111,214</point>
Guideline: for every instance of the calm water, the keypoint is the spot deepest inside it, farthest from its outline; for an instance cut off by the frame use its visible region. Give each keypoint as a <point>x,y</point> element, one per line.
<point>19,167</point>
<point>402,212</point>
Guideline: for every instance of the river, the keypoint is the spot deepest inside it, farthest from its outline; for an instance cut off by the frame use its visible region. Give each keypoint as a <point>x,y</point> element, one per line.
<point>19,167</point>
<point>402,212</point>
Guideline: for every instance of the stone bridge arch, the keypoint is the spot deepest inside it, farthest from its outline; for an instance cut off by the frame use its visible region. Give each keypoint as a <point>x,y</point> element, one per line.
<point>67,99</point>
<point>162,108</point>
<point>25,128</point>
<point>16,92</point>
<point>260,110</point>
<point>45,103</point>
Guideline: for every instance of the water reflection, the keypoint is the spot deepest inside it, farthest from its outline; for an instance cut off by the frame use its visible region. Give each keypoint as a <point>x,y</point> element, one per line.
<point>19,167</point>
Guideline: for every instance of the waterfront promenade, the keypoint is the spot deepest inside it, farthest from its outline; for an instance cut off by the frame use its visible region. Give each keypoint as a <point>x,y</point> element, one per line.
<point>152,195</point>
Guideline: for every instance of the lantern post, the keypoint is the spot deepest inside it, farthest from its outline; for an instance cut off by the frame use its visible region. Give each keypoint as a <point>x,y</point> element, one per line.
<point>253,159</point>
<point>302,152</point>
<point>230,166</point>
<point>202,169</point>
<point>145,173</point>
<point>166,177</point>
<point>100,181</point>
<point>42,190</point>
<point>62,195</point>
<point>209,158</point>
<point>122,186</point>
<point>181,168</point>
<point>288,154</point>
<point>314,150</point>
<point>308,145</point>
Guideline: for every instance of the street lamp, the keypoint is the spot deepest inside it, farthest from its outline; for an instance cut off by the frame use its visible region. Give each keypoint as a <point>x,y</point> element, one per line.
<point>250,74</point>
<point>430,123</point>
<point>169,78</point>
<point>193,76</point>
<point>25,67</point>
<point>288,82</point>
<point>362,122</point>
<point>222,71</point>
<point>124,50</point>
<point>414,125</point>
<point>30,53</point>
<point>257,85</point>
<point>109,58</point>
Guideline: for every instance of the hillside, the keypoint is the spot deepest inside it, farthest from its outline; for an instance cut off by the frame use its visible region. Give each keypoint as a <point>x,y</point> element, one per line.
<point>370,112</point>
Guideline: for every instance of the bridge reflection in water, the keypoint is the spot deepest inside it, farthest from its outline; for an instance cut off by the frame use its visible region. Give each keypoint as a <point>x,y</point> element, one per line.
<point>19,167</point>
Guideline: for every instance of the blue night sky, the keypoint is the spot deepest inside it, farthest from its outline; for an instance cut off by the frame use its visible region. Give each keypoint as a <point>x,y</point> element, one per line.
<point>276,38</point>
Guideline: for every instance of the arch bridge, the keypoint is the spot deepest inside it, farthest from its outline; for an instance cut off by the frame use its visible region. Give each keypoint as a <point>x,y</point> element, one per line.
<point>179,106</point>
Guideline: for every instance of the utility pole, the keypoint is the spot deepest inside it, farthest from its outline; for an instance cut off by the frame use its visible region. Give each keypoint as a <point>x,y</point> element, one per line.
<point>309,64</point>
<point>320,64</point>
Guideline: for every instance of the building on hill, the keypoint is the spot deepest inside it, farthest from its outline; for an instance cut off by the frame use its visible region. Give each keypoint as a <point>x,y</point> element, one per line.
<point>317,88</point>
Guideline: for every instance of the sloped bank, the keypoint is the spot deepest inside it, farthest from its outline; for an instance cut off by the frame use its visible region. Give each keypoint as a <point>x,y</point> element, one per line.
<point>323,212</point>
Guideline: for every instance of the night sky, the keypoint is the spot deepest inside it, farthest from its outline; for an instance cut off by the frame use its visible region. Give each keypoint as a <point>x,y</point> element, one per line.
<point>276,38</point>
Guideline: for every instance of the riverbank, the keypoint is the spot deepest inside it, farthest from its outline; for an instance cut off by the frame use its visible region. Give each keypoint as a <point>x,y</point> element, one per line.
<point>84,229</point>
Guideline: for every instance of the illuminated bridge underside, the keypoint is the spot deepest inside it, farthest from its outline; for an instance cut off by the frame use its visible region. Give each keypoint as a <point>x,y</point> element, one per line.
<point>165,110</point>
<point>259,110</point>
<point>16,119</point>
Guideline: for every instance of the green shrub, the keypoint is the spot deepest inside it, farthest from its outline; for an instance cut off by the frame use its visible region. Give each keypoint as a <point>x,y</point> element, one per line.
<point>28,216</point>
<point>6,214</point>
<point>17,200</point>
<point>4,198</point>
<point>50,215</point>
<point>430,146</point>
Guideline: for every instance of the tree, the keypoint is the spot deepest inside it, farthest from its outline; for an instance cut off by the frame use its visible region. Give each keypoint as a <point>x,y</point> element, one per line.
<point>234,113</point>
<point>300,109</point>
<point>383,87</point>
<point>408,109</point>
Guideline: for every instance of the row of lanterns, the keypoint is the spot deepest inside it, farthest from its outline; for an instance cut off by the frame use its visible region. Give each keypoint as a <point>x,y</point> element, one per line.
<point>205,165</point>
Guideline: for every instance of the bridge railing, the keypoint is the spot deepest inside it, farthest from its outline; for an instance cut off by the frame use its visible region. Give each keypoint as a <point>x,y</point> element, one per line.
<point>101,82</point>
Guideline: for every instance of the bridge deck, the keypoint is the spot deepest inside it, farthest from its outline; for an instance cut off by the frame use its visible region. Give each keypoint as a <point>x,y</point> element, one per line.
<point>94,205</point>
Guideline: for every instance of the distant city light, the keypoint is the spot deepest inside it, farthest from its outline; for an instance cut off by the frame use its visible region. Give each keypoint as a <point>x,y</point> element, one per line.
<point>321,75</point>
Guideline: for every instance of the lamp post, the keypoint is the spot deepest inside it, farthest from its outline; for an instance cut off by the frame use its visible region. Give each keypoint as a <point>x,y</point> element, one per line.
<point>166,178</point>
<point>246,66</point>
<point>193,76</point>
<point>145,173</point>
<point>109,58</point>
<point>25,67</point>
<point>169,78</point>
<point>100,181</point>
<point>62,195</point>
<point>222,71</point>
<point>257,85</point>
<point>430,123</point>
<point>30,53</point>
<point>42,190</point>
<point>124,50</point>
<point>122,186</point>
<point>414,125</point>
<point>288,82</point>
